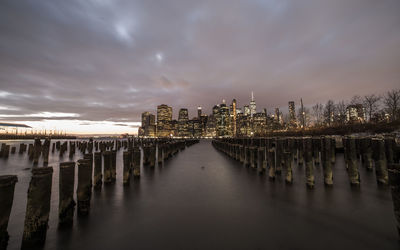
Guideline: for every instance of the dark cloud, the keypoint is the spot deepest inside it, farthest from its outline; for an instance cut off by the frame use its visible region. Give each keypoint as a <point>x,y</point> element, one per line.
<point>111,60</point>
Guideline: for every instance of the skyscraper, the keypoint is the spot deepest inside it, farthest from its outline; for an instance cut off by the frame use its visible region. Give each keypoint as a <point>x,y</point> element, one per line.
<point>292,115</point>
<point>148,119</point>
<point>198,112</point>
<point>224,125</point>
<point>259,124</point>
<point>253,108</point>
<point>292,111</point>
<point>148,127</point>
<point>233,115</point>
<point>277,115</point>
<point>183,115</point>
<point>246,110</point>
<point>183,122</point>
<point>164,120</point>
<point>302,114</point>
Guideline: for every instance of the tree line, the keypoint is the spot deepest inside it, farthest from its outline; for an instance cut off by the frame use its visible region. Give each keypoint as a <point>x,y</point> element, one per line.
<point>372,108</point>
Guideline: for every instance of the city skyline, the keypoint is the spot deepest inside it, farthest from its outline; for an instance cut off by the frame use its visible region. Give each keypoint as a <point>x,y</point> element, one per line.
<point>231,120</point>
<point>95,66</point>
<point>359,109</point>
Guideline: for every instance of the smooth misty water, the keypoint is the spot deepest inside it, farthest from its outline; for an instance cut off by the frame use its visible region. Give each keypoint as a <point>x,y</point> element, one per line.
<point>221,206</point>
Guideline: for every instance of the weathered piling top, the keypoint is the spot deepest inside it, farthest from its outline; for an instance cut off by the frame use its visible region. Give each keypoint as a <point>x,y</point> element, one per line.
<point>6,180</point>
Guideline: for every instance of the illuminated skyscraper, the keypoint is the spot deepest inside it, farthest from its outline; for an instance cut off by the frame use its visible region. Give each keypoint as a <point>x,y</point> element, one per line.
<point>183,122</point>
<point>164,120</point>
<point>355,113</point>
<point>195,128</point>
<point>259,124</point>
<point>148,119</point>
<point>224,126</point>
<point>292,115</point>
<point>222,119</point>
<point>198,112</point>
<point>277,115</point>
<point>246,110</point>
<point>253,109</point>
<point>233,116</point>
<point>148,127</point>
<point>183,115</point>
<point>292,111</point>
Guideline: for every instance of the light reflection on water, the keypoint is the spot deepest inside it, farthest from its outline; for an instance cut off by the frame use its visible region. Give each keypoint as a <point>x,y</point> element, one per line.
<point>221,206</point>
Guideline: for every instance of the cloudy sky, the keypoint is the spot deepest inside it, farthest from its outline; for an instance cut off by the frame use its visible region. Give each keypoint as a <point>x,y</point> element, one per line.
<point>96,65</point>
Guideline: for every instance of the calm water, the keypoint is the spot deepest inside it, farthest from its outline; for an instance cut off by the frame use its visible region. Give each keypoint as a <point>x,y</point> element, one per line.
<point>221,206</point>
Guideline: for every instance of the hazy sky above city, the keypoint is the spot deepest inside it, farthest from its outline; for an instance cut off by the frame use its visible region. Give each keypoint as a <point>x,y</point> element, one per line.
<point>96,65</point>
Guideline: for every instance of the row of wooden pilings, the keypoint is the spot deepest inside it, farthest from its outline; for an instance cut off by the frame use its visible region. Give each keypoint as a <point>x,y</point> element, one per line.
<point>274,155</point>
<point>38,149</point>
<point>91,173</point>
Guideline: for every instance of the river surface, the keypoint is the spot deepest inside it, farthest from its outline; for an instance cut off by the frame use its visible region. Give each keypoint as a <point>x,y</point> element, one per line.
<point>202,199</point>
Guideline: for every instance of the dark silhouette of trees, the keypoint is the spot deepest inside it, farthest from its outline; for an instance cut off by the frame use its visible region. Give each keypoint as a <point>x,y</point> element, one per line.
<point>329,112</point>
<point>392,104</point>
<point>371,105</point>
<point>341,110</point>
<point>318,113</point>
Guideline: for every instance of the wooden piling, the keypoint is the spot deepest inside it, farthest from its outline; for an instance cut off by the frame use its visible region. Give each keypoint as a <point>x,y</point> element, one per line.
<point>288,167</point>
<point>380,161</point>
<point>98,176</point>
<point>352,161</point>
<point>107,167</point>
<point>126,167</point>
<point>84,190</point>
<point>308,159</point>
<point>37,208</point>
<point>394,182</point>
<point>66,205</point>
<point>326,160</point>
<point>136,162</point>
<point>7,187</point>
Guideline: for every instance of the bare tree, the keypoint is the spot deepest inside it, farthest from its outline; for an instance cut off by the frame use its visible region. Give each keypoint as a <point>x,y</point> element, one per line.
<point>371,105</point>
<point>392,103</point>
<point>329,112</point>
<point>318,113</point>
<point>356,100</point>
<point>341,110</point>
<point>306,115</point>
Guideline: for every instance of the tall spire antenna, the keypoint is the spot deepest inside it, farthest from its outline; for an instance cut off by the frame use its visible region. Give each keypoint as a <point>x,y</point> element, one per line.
<point>302,113</point>
<point>252,96</point>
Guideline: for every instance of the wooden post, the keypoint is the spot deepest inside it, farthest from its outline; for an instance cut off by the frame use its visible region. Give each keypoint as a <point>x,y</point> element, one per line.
<point>37,208</point>
<point>7,187</point>
<point>66,205</point>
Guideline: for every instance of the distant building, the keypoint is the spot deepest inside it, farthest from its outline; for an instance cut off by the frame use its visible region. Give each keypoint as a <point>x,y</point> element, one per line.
<point>243,125</point>
<point>292,115</point>
<point>259,124</point>
<point>355,113</point>
<point>195,128</point>
<point>174,128</point>
<point>203,123</point>
<point>246,110</point>
<point>164,120</point>
<point>278,117</point>
<point>223,121</point>
<point>233,117</point>
<point>183,123</point>
<point>199,112</point>
<point>211,130</point>
<point>148,127</point>
<point>253,108</point>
